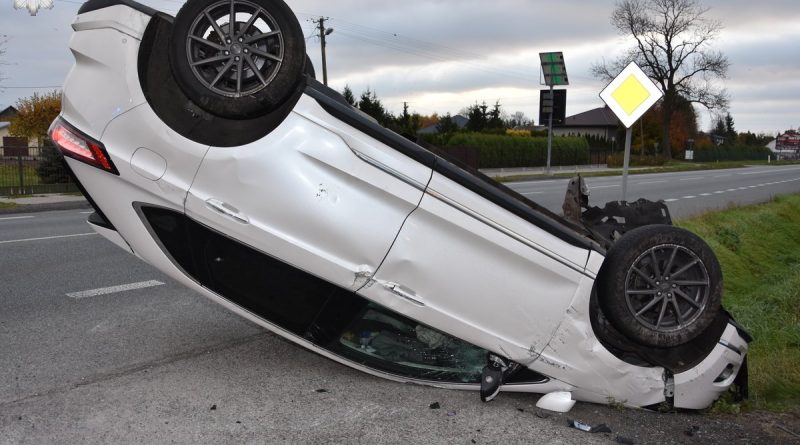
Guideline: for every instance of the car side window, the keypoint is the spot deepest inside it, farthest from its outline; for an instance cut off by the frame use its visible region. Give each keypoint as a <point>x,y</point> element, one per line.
<point>381,339</point>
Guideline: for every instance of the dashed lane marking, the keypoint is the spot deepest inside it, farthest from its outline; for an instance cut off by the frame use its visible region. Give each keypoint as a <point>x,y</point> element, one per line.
<point>46,238</point>
<point>114,289</point>
<point>16,217</point>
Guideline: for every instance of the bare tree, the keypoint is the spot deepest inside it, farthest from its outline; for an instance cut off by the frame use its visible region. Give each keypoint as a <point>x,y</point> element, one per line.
<point>673,46</point>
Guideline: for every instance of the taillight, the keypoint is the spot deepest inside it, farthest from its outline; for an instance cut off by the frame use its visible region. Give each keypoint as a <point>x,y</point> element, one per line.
<point>78,146</point>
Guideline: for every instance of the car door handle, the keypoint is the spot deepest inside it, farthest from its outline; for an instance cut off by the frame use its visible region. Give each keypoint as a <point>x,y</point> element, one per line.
<point>399,291</point>
<point>227,210</point>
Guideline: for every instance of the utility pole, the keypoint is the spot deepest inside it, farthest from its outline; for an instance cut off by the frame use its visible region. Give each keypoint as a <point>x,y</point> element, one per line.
<point>323,32</point>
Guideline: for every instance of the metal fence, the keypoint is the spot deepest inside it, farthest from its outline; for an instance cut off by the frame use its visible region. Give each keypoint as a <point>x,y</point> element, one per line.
<point>33,172</point>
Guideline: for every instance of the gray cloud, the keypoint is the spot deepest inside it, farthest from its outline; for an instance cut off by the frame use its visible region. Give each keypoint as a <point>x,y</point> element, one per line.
<point>474,50</point>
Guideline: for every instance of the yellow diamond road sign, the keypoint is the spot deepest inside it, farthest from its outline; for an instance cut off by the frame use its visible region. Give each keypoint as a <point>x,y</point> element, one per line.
<point>631,94</point>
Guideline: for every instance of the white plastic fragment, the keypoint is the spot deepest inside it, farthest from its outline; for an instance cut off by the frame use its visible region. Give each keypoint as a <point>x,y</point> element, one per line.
<point>559,401</point>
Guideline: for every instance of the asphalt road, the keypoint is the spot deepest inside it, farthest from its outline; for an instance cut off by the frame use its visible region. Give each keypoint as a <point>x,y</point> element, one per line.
<point>686,194</point>
<point>146,362</point>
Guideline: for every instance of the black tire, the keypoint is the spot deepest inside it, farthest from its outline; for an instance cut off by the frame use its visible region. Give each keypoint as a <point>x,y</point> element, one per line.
<point>660,285</point>
<point>242,71</point>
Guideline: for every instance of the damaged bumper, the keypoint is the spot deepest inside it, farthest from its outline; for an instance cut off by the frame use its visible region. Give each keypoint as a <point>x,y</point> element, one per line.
<point>698,387</point>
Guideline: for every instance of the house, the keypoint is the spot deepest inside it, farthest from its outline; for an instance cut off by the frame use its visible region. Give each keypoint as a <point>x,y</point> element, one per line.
<point>786,145</point>
<point>7,113</point>
<point>459,120</point>
<point>599,122</point>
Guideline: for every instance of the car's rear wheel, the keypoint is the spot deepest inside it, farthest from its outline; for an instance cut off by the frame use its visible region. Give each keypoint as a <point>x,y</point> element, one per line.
<point>661,286</point>
<point>237,58</point>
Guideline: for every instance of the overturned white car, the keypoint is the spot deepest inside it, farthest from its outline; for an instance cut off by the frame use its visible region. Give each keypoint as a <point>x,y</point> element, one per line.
<point>208,150</point>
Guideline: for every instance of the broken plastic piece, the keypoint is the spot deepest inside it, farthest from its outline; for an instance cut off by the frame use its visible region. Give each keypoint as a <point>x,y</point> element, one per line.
<point>577,424</point>
<point>558,401</point>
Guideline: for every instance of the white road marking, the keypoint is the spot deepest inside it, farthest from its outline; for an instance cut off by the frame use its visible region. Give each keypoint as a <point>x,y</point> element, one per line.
<point>46,238</point>
<point>86,213</point>
<point>650,182</point>
<point>705,194</point>
<point>719,192</point>
<point>722,176</point>
<point>603,187</point>
<point>114,289</point>
<point>532,193</point>
<point>16,217</point>
<point>730,190</point>
<point>693,179</point>
<point>689,197</point>
<point>670,200</point>
<point>760,172</point>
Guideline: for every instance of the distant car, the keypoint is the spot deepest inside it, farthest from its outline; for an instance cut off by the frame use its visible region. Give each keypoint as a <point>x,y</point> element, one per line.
<point>209,151</point>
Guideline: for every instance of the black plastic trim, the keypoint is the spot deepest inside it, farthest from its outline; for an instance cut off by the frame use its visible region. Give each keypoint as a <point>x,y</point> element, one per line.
<point>335,104</point>
<point>88,197</point>
<point>100,221</point>
<point>94,5</point>
<point>517,204</point>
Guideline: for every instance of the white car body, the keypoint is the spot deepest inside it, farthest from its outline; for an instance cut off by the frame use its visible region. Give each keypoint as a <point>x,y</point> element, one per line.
<point>330,200</point>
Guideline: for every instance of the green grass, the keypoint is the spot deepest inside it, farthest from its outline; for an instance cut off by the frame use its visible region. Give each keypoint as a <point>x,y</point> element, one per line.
<point>7,205</point>
<point>759,250</point>
<point>672,167</point>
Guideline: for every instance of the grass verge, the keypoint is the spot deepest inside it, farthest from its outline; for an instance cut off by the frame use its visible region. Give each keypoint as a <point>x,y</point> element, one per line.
<point>759,250</point>
<point>673,167</point>
<point>7,205</point>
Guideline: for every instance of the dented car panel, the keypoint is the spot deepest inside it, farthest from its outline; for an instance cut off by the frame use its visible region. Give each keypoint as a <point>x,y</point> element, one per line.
<point>348,240</point>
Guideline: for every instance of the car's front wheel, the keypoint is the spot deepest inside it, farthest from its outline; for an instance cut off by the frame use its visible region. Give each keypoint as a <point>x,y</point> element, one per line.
<point>661,286</point>
<point>237,58</point>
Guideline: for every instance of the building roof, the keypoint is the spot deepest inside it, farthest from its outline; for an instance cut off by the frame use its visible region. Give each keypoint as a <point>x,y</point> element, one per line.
<point>598,117</point>
<point>458,119</point>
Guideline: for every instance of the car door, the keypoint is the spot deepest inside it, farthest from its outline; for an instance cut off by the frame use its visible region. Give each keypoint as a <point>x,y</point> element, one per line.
<point>307,195</point>
<point>479,272</point>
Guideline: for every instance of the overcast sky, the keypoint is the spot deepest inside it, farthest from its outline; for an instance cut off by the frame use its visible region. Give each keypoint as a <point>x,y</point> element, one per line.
<point>443,55</point>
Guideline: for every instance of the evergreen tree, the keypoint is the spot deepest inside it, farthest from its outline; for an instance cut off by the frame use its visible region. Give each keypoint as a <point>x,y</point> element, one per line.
<point>348,95</point>
<point>51,168</point>
<point>477,117</point>
<point>371,105</point>
<point>447,125</point>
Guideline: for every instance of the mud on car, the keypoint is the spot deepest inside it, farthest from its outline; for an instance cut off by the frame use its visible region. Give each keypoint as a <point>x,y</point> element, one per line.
<point>208,149</point>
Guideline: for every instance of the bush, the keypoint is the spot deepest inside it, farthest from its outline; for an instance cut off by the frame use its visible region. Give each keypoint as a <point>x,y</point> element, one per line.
<point>616,160</point>
<point>497,151</point>
<point>51,169</point>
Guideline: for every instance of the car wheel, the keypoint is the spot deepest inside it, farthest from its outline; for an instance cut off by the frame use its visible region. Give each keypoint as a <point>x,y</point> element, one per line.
<point>660,286</point>
<point>237,58</point>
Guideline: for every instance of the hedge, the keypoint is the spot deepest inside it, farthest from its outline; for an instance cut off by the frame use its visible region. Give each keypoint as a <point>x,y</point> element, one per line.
<point>732,154</point>
<point>496,151</point>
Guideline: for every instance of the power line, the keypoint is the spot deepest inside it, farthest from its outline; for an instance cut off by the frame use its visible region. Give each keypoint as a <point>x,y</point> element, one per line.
<point>29,88</point>
<point>420,48</point>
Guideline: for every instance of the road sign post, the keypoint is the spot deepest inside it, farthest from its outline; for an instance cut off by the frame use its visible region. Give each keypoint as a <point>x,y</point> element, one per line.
<point>555,73</point>
<point>629,96</point>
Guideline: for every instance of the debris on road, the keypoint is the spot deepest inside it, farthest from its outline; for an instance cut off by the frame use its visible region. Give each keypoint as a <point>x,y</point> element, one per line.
<point>625,440</point>
<point>577,424</point>
<point>321,390</point>
<point>214,407</point>
<point>434,405</point>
